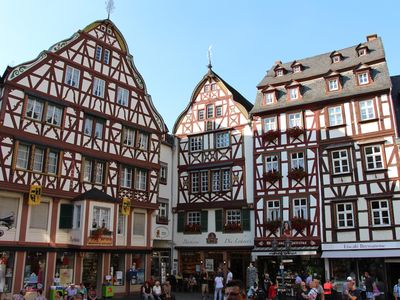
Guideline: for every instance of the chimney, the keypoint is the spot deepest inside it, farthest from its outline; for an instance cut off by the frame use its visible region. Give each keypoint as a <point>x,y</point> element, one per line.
<point>372,37</point>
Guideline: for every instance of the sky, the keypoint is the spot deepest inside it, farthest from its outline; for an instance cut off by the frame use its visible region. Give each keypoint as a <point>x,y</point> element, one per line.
<point>169,39</point>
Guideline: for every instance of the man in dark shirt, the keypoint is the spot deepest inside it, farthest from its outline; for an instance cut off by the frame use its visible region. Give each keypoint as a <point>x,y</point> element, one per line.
<point>204,284</point>
<point>369,281</point>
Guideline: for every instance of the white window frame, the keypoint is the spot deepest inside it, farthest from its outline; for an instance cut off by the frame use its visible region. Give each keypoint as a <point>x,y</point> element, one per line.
<point>295,120</point>
<point>107,56</point>
<point>210,111</point>
<point>141,180</point>
<point>363,78</point>
<point>101,217</point>
<point>122,96</point>
<point>270,123</point>
<point>294,93</point>
<point>129,137</point>
<point>77,216</point>
<point>340,161</point>
<point>300,208</point>
<point>99,52</point>
<point>233,216</point>
<point>336,59</point>
<point>126,177</point>
<point>279,72</point>
<point>374,159</point>
<point>367,110</point>
<point>193,218</point>
<point>54,114</point>
<point>269,98</point>
<point>333,84</point>
<point>222,139</point>
<point>23,156</point>
<point>297,160</point>
<point>273,208</point>
<point>72,77</point>
<point>143,140</point>
<point>163,209</point>
<point>345,216</point>
<point>139,226</point>
<point>194,182</point>
<point>380,214</point>
<point>98,87</point>
<point>200,114</point>
<point>272,163</point>
<point>215,180</point>
<point>196,143</point>
<point>204,181</point>
<point>121,224</point>
<point>52,162</point>
<point>218,111</point>
<point>38,159</point>
<point>296,69</point>
<point>226,179</point>
<point>163,174</point>
<point>34,109</point>
<point>335,115</point>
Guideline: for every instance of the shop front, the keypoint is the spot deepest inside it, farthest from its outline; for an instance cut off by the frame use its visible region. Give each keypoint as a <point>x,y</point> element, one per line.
<point>7,259</point>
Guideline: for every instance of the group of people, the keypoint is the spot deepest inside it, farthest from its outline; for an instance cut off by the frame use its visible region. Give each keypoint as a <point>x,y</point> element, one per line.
<point>72,292</point>
<point>156,291</point>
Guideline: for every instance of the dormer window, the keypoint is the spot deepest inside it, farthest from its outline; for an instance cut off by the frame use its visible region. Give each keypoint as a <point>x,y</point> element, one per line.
<point>294,93</point>
<point>297,69</point>
<point>333,84</point>
<point>269,98</point>
<point>336,59</point>
<point>206,88</point>
<point>363,78</point>
<point>362,52</point>
<point>279,72</point>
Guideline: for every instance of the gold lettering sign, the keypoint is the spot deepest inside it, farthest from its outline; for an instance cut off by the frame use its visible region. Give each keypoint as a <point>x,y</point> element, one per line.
<point>35,194</point>
<point>126,207</point>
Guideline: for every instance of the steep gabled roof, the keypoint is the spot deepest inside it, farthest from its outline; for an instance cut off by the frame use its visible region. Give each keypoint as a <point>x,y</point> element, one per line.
<point>97,195</point>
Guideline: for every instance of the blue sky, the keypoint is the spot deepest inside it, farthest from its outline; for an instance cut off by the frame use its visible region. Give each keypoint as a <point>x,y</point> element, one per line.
<point>169,39</point>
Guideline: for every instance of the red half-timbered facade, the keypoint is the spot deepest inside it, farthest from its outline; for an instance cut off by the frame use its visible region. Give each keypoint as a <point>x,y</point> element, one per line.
<point>78,122</point>
<point>213,201</point>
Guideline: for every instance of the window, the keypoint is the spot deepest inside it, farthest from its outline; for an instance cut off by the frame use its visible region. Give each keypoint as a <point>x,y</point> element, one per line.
<point>345,217</point>
<point>98,53</point>
<point>380,212</point>
<point>296,69</point>
<point>141,179</point>
<point>279,72</point>
<point>143,140</point>
<point>340,162</point>
<point>34,109</point>
<point>72,77</point>
<point>193,218</point>
<point>210,125</point>
<point>121,224</point>
<point>93,127</point>
<point>128,138</point>
<point>210,111</point>
<point>44,159</point>
<point>93,171</point>
<point>139,224</point>
<point>333,84</point>
<point>77,217</point>
<point>295,120</point>
<point>367,111</point>
<point>215,181</point>
<point>195,182</point>
<point>23,156</point>
<point>39,216</point>
<point>38,158</point>
<point>226,180</point>
<point>293,93</point>
<point>98,87</point>
<point>218,111</point>
<point>53,115</point>
<point>362,52</point>
<point>300,208</point>
<point>273,210</point>
<point>222,139</point>
<point>213,86</point>
<point>335,116</point>
<point>163,173</point>
<point>106,56</point>
<point>122,96</point>
<point>271,163</point>
<point>101,217</point>
<point>196,143</point>
<point>204,181</point>
<point>201,114</point>
<point>373,157</point>
<point>363,78</point>
<point>297,160</point>
<point>269,98</point>
<point>336,59</point>
<point>269,124</point>
<point>206,88</point>
<point>233,216</point>
<point>126,177</point>
<point>163,209</point>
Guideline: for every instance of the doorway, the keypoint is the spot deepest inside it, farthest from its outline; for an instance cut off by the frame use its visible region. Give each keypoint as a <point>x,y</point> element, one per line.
<point>91,273</point>
<point>393,274</point>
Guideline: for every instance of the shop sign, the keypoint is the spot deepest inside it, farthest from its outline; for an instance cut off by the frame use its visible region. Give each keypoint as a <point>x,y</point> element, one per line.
<point>212,238</point>
<point>103,240</point>
<point>35,193</point>
<point>161,232</point>
<point>125,207</point>
<point>209,264</point>
<point>361,246</point>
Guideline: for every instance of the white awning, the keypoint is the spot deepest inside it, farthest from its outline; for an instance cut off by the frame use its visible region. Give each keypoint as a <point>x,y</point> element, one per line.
<point>361,253</point>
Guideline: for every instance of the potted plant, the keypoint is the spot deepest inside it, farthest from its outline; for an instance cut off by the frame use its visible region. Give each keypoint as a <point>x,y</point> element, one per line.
<point>299,224</point>
<point>295,131</point>
<point>162,219</point>
<point>232,227</point>
<point>193,228</point>
<point>99,232</point>
<point>272,176</point>
<point>271,135</point>
<point>297,174</point>
<point>272,225</point>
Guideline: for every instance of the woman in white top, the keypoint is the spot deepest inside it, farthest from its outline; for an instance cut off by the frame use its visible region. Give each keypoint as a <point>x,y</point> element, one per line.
<point>219,284</point>
<point>157,291</point>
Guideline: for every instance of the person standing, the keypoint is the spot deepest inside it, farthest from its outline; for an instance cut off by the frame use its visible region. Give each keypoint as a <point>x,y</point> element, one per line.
<point>218,284</point>
<point>157,291</point>
<point>39,295</point>
<point>369,289</point>
<point>205,292</point>
<point>234,291</point>
<point>273,290</point>
<point>229,276</point>
<point>328,289</point>
<point>20,296</point>
<point>266,284</point>
<point>251,275</point>
<point>396,290</point>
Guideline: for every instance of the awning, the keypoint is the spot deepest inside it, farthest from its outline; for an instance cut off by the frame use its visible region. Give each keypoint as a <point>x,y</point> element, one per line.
<point>361,253</point>
<point>268,251</point>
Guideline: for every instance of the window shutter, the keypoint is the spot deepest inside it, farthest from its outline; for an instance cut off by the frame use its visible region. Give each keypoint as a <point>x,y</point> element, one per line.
<point>66,216</point>
<point>218,220</point>
<point>246,219</point>
<point>181,221</point>
<point>204,221</point>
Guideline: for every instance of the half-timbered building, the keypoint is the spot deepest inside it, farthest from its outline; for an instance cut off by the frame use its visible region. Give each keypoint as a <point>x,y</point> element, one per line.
<point>214,198</point>
<point>80,160</point>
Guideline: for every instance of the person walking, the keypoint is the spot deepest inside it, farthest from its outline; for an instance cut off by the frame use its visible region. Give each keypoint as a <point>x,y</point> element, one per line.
<point>396,290</point>
<point>229,275</point>
<point>328,289</point>
<point>218,284</point>
<point>205,292</point>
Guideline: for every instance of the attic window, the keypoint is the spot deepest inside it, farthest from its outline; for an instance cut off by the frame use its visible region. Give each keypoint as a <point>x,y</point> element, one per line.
<point>206,88</point>
<point>269,97</point>
<point>362,51</point>
<point>279,72</point>
<point>213,86</point>
<point>294,93</point>
<point>336,58</point>
<point>297,69</point>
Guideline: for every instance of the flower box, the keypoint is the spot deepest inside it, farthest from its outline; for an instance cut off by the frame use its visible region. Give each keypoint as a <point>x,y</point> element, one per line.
<point>232,227</point>
<point>99,232</point>
<point>272,176</point>
<point>271,135</point>
<point>295,131</point>
<point>272,225</point>
<point>297,174</point>
<point>299,224</point>
<point>162,220</point>
<point>193,228</point>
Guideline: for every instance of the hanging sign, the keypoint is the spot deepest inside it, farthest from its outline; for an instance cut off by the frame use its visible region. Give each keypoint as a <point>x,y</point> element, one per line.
<point>125,207</point>
<point>35,193</point>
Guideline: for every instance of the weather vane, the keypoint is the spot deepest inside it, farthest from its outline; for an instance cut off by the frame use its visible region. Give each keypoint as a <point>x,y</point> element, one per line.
<point>209,57</point>
<point>109,7</point>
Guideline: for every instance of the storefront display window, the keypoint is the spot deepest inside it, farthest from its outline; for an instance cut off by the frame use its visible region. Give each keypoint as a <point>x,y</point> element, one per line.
<point>34,272</point>
<point>6,271</point>
<point>342,268</point>
<point>189,262</point>
<point>117,268</point>
<point>138,266</point>
<point>65,267</point>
